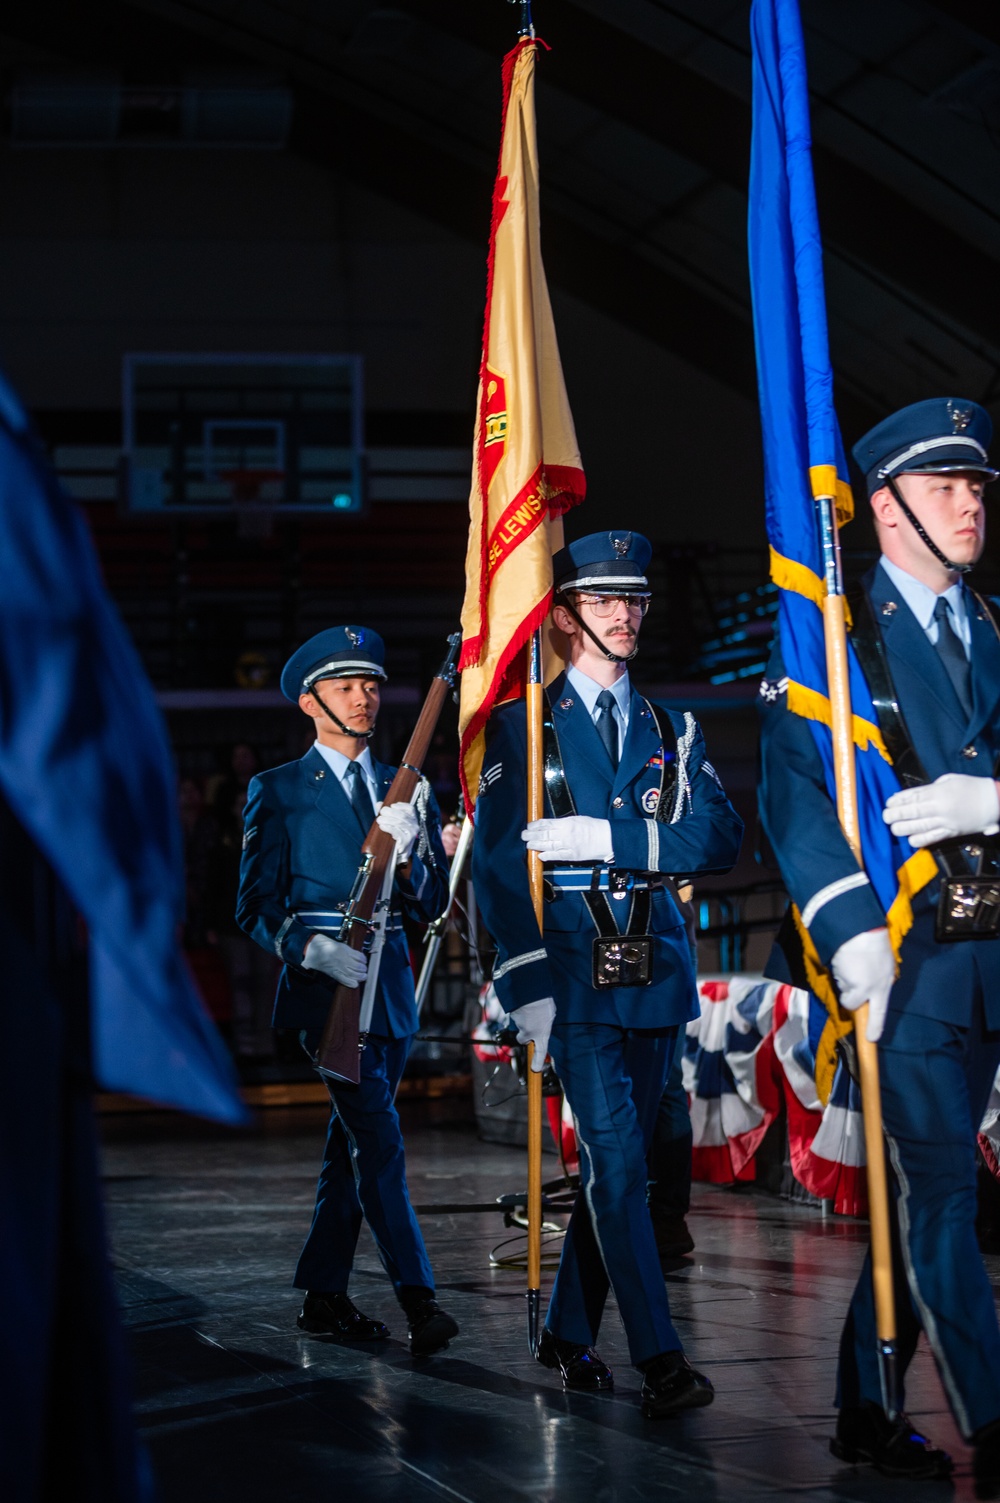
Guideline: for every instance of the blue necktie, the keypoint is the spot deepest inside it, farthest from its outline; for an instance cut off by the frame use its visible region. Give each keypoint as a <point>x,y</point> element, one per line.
<point>357,788</point>
<point>606,726</point>
<point>952,654</point>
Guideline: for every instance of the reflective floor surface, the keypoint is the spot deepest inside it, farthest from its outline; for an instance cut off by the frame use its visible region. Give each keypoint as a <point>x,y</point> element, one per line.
<point>235,1404</point>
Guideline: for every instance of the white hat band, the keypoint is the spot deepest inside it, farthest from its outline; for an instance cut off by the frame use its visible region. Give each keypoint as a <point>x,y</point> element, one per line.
<point>635,582</point>
<point>929,444</point>
<point>344,668</point>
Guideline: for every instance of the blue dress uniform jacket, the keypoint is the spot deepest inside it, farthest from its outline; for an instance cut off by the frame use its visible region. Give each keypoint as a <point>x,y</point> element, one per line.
<point>301,852</point>
<point>611,1048</point>
<point>822,877</point>
<point>940,1047</point>
<point>302,849</point>
<point>704,838</point>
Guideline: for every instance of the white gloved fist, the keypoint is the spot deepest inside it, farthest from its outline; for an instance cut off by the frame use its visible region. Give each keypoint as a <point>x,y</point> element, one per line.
<point>334,959</point>
<point>955,804</point>
<point>578,837</point>
<point>534,1024</point>
<point>401,822</point>
<point>864,969</point>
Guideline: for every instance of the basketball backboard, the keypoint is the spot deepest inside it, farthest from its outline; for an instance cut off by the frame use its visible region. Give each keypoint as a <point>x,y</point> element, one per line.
<point>210,434</point>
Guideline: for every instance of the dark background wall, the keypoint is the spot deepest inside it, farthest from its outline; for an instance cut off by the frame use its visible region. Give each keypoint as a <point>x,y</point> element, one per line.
<point>343,206</point>
<point>114,251</point>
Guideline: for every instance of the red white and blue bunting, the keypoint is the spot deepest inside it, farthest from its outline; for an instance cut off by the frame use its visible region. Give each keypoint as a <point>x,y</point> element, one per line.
<point>751,1052</point>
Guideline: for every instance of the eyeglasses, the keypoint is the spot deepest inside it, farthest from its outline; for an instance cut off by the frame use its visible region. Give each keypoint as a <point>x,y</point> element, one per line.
<point>604,605</point>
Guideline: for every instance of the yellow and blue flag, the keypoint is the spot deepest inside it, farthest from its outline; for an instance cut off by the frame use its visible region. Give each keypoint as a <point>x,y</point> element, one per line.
<point>803,453</point>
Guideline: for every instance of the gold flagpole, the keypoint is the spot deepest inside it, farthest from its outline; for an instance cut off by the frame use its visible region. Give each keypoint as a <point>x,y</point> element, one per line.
<point>535,801</point>
<point>835,636</point>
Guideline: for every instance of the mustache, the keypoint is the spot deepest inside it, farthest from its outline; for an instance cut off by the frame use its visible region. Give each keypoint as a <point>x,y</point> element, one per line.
<point>619,631</point>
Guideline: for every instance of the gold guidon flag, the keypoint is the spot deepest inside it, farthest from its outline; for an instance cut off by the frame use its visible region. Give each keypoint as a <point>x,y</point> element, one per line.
<point>527,469</point>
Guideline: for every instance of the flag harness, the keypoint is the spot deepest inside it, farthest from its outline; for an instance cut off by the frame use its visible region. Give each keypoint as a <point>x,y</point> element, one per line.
<point>620,957</point>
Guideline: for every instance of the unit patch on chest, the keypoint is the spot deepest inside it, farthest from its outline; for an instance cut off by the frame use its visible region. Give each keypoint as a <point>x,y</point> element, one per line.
<point>650,799</point>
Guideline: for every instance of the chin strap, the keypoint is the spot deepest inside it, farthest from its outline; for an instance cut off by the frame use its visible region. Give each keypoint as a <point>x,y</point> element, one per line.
<point>612,657</point>
<point>345,730</point>
<point>921,534</point>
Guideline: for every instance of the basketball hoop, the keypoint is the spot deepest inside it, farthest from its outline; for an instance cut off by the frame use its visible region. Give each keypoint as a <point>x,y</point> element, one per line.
<point>245,485</point>
<point>255,515</point>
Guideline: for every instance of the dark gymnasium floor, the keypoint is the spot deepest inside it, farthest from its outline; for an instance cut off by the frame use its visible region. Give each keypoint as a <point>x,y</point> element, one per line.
<point>235,1404</point>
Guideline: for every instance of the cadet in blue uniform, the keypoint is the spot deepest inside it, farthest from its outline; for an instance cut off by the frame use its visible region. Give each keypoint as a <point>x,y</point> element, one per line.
<point>632,797</point>
<point>930,651</point>
<point>304,825</point>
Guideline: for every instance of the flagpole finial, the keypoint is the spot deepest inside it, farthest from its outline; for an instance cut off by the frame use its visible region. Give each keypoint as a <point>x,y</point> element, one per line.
<point>527,26</point>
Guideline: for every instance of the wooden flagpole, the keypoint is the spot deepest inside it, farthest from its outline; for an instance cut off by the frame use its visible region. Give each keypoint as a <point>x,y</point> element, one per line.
<point>835,635</point>
<point>536,809</point>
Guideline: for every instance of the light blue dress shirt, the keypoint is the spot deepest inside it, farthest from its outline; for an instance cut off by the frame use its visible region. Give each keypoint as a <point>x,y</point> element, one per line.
<point>338,765</point>
<point>922,599</point>
<point>587,689</point>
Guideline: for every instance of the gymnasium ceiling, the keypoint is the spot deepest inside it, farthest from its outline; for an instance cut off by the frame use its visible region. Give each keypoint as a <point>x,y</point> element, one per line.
<point>644,121</point>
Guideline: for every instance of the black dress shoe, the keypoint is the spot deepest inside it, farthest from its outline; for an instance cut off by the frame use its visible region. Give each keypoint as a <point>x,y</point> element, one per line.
<point>986,1461</point>
<point>336,1315</point>
<point>892,1447</point>
<point>673,1240</point>
<point>670,1383</point>
<point>431,1328</point>
<point>580,1366</point>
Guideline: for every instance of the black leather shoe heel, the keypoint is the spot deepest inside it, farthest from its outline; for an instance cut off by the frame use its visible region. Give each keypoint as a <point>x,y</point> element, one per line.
<point>431,1328</point>
<point>670,1384</point>
<point>986,1460</point>
<point>337,1315</point>
<point>867,1437</point>
<point>579,1366</point>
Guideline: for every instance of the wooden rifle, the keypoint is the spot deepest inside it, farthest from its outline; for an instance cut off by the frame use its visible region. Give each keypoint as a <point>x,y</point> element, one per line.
<point>342,1042</point>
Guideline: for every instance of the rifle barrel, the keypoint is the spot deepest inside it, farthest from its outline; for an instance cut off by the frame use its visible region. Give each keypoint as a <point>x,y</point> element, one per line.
<point>340,1048</point>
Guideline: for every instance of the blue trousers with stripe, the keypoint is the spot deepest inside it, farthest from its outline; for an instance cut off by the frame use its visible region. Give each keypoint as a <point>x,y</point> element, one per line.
<point>936,1080</point>
<point>613,1078</point>
<point>364,1178</point>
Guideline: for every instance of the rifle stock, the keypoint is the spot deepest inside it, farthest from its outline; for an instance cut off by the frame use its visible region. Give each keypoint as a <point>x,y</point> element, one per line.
<point>342,1042</point>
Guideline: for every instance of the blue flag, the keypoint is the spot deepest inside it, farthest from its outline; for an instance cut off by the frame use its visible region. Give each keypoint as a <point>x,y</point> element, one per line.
<point>803,453</point>
<point>85,766</point>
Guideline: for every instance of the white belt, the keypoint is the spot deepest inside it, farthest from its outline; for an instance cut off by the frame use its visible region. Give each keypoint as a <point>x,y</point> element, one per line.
<point>328,921</point>
<point>581,879</point>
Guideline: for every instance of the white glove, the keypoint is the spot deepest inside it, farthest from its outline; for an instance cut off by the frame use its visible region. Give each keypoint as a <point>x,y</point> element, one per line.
<point>955,804</point>
<point>578,837</point>
<point>534,1024</point>
<point>349,967</point>
<point>401,822</point>
<point>864,969</point>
